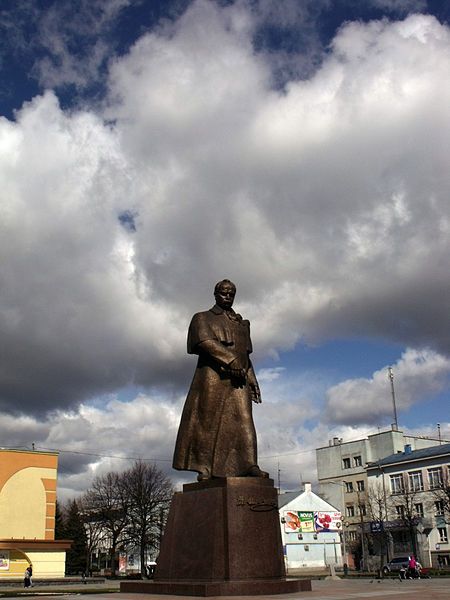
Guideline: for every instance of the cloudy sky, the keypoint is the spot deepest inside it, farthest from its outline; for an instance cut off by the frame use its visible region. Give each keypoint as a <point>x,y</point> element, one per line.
<point>149,149</point>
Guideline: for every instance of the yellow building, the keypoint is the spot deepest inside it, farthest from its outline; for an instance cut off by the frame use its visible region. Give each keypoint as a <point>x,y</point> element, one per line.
<point>27,515</point>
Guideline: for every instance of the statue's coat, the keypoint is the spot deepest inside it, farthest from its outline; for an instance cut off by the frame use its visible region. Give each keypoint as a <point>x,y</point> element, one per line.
<point>216,433</point>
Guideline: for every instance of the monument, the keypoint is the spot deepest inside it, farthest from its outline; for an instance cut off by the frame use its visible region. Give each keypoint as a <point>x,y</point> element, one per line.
<point>223,534</point>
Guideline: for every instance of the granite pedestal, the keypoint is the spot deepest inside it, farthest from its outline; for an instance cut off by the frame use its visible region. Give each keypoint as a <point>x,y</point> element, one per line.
<point>222,538</point>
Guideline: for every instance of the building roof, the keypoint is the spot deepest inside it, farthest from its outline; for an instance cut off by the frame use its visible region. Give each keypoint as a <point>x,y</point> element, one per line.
<point>307,501</point>
<point>287,497</point>
<point>409,455</point>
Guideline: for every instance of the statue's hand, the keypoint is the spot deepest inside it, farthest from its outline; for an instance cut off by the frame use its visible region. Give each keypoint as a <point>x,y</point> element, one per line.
<point>255,392</point>
<point>237,373</point>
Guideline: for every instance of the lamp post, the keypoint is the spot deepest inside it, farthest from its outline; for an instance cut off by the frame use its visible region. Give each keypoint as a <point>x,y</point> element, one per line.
<point>385,525</point>
<point>344,547</point>
<point>363,537</point>
<point>342,533</point>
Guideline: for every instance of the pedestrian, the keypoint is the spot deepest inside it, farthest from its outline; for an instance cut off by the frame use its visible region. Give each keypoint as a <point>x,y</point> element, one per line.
<point>27,578</point>
<point>412,567</point>
<point>30,568</point>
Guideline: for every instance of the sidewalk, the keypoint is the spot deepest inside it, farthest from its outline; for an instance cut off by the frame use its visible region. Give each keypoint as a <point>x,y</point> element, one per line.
<point>53,589</point>
<point>339,589</point>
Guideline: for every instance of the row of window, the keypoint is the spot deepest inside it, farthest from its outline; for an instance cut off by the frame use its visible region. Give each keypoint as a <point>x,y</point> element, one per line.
<point>360,486</point>
<point>347,462</point>
<point>414,481</point>
<point>442,532</point>
<point>350,510</point>
<point>418,509</point>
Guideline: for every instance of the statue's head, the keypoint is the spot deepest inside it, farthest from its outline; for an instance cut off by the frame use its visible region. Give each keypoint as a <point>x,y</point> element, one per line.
<point>224,293</point>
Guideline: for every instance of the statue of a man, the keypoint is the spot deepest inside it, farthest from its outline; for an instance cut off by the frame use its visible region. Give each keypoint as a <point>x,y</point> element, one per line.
<point>217,436</point>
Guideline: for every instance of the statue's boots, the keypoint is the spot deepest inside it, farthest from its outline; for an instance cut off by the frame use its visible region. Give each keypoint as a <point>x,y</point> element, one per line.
<point>255,471</point>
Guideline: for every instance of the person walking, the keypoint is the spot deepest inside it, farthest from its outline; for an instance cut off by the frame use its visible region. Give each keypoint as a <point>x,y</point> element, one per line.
<point>412,567</point>
<point>27,578</point>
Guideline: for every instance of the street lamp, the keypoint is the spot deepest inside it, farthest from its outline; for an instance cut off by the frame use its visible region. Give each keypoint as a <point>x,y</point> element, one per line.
<point>342,533</point>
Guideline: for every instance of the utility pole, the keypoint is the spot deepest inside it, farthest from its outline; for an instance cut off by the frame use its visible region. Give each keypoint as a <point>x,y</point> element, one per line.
<point>391,377</point>
<point>363,537</point>
<point>385,524</point>
<point>279,478</point>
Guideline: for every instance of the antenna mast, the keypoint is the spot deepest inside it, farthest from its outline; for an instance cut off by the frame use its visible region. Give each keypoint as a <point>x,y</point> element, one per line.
<point>391,377</point>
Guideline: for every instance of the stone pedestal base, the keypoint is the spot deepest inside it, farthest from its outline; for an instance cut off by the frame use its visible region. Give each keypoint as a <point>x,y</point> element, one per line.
<point>218,588</point>
<point>222,538</point>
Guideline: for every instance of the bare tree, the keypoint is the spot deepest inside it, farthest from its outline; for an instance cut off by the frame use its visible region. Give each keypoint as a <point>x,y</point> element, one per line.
<point>377,510</point>
<point>93,525</point>
<point>441,494</point>
<point>403,505</point>
<point>148,492</point>
<point>107,503</point>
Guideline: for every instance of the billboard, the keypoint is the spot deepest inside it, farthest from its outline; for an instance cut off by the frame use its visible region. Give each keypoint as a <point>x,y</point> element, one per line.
<point>327,521</point>
<point>306,521</point>
<point>311,522</point>
<point>291,521</point>
<point>298,521</point>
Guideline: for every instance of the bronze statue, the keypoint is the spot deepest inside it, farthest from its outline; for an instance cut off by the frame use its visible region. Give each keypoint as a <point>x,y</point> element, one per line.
<point>217,436</point>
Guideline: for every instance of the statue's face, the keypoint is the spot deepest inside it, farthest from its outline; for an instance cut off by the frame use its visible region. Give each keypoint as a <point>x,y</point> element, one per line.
<point>225,296</point>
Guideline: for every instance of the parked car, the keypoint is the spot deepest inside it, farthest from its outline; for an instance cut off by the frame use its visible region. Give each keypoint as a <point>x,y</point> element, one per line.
<point>396,565</point>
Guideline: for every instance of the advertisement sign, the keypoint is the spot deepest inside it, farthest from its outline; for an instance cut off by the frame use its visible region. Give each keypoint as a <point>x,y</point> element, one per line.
<point>4,560</point>
<point>299,521</point>
<point>122,562</point>
<point>291,522</point>
<point>306,521</point>
<point>311,522</point>
<point>376,527</point>
<point>327,521</point>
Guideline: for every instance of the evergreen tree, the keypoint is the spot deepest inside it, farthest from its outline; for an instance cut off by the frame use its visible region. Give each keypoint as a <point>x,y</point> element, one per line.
<point>60,527</point>
<point>74,530</point>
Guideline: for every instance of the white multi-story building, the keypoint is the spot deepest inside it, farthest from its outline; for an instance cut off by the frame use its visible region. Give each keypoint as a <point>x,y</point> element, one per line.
<point>342,475</point>
<point>412,483</point>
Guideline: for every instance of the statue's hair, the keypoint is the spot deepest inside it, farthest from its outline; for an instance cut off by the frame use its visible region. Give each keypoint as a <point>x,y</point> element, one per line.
<point>221,283</point>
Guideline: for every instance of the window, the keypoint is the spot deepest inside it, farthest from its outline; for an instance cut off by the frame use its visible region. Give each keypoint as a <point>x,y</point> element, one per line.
<point>357,462</point>
<point>348,487</point>
<point>346,463</point>
<point>360,485</point>
<point>415,481</point>
<point>352,536</point>
<point>435,478</point>
<point>443,537</point>
<point>397,486</point>
<point>400,511</point>
<point>362,510</point>
<point>439,507</point>
<point>418,508</point>
<point>350,510</point>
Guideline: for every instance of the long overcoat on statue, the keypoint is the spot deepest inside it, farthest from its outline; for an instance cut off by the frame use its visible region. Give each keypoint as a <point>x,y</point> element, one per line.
<point>216,435</point>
